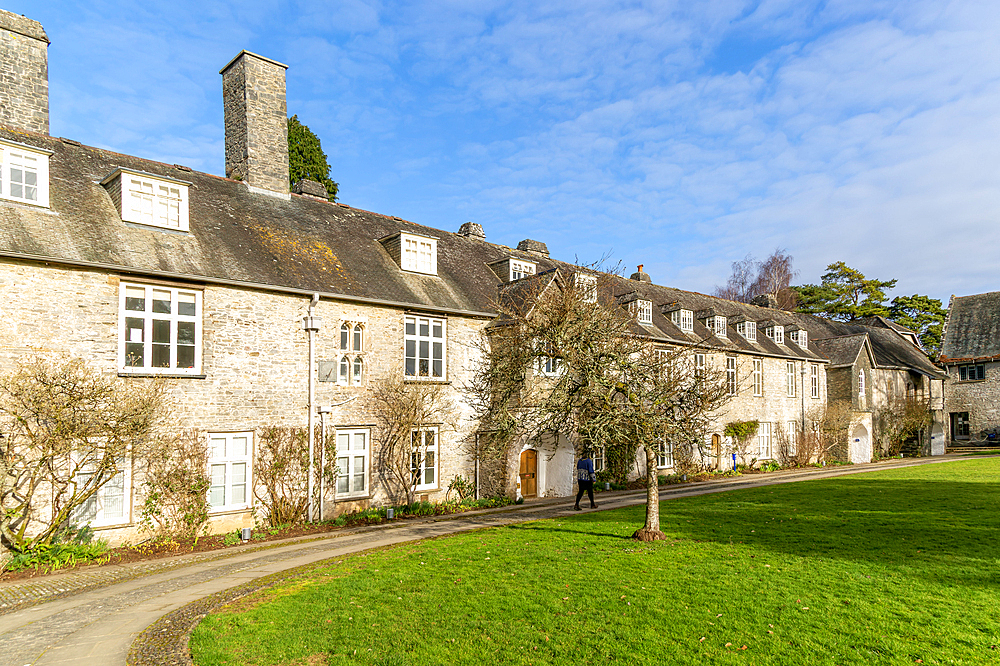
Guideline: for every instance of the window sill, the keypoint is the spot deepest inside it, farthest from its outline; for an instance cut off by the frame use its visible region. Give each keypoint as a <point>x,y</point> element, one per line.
<point>111,526</point>
<point>166,375</point>
<point>227,511</point>
<point>417,380</point>
<point>352,498</point>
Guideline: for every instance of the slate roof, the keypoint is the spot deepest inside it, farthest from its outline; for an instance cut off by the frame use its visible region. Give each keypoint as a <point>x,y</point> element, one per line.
<point>842,351</point>
<point>972,329</point>
<point>299,244</point>
<point>304,245</point>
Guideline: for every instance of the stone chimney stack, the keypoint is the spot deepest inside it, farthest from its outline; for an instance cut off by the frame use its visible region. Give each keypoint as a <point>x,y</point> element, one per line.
<point>24,74</point>
<point>253,94</point>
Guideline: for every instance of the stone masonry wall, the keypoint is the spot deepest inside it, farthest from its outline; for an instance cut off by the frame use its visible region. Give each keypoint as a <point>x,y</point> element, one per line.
<point>255,357</point>
<point>24,74</point>
<point>253,95</point>
<point>980,398</point>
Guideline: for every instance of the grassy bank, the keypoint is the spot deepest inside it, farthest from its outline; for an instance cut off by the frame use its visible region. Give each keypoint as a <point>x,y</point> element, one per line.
<point>890,567</point>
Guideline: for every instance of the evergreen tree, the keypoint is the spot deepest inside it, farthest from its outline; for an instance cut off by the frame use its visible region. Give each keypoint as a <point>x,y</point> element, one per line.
<point>922,315</point>
<point>306,158</point>
<point>844,293</point>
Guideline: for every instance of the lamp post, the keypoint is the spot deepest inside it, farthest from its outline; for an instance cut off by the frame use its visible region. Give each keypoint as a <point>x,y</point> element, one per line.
<point>310,325</point>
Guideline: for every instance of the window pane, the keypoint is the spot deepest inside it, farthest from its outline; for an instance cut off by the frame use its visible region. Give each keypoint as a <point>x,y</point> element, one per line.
<point>217,492</point>
<point>343,465</point>
<point>135,299</point>
<point>411,367</point>
<point>239,494</point>
<point>359,474</point>
<point>424,328</point>
<point>357,370</point>
<point>113,497</point>
<point>359,441</point>
<point>343,442</point>
<point>411,327</point>
<point>437,329</point>
<point>161,301</point>
<point>185,356</point>
<point>161,331</point>
<point>429,468</point>
<point>217,447</point>
<point>343,336</point>
<point>186,304</point>
<point>357,337</point>
<point>344,369</point>
<point>238,447</point>
<point>425,349</point>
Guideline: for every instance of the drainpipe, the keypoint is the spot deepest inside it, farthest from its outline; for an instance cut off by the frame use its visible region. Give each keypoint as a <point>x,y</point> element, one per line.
<point>323,411</point>
<point>310,325</point>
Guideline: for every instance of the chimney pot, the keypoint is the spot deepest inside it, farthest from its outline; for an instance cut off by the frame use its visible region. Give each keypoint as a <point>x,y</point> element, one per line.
<point>534,247</point>
<point>472,229</point>
<point>639,276</point>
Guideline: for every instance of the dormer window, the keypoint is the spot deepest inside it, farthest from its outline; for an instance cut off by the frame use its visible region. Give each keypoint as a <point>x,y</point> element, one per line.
<point>521,269</point>
<point>154,201</point>
<point>24,173</point>
<point>776,333</point>
<point>748,329</point>
<point>800,337</point>
<point>419,254</point>
<point>717,325</point>
<point>587,286</point>
<point>643,311</point>
<point>683,319</point>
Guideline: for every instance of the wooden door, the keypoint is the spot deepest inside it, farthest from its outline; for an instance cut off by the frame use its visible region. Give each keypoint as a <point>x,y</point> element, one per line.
<point>529,473</point>
<point>717,451</point>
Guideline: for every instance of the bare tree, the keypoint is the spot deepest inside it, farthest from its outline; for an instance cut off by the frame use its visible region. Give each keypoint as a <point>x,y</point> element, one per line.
<point>898,420</point>
<point>606,385</point>
<point>751,279</point>
<point>828,436</point>
<point>69,430</point>
<point>176,483</point>
<point>403,410</point>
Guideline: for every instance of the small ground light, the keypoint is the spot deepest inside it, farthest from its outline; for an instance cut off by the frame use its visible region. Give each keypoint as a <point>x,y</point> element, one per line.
<point>245,534</point>
<point>607,486</point>
<point>390,513</point>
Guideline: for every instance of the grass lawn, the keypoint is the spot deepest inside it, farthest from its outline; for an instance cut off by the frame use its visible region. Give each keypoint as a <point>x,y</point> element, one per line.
<point>890,567</point>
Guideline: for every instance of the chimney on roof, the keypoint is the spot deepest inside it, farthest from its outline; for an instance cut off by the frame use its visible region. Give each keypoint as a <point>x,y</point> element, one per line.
<point>24,74</point>
<point>253,96</point>
<point>766,301</point>
<point>639,276</point>
<point>472,229</point>
<point>534,247</point>
<point>311,189</point>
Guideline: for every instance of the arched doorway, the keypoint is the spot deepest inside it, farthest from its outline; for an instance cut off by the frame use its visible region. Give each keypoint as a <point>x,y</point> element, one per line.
<point>528,473</point>
<point>860,446</point>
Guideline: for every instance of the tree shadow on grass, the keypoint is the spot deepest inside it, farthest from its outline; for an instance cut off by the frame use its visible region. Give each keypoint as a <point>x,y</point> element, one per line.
<point>948,530</point>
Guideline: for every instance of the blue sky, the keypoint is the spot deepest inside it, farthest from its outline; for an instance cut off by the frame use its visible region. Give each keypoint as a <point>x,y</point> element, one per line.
<point>678,135</point>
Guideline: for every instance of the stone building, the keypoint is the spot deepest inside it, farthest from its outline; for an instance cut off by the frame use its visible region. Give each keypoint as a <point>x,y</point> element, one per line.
<point>970,354</point>
<point>150,270</point>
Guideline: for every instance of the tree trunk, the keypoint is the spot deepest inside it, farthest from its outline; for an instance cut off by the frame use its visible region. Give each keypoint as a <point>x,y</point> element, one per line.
<point>651,530</point>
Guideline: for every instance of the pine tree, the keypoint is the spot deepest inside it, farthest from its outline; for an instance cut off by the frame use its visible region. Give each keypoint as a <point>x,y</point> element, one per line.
<point>306,158</point>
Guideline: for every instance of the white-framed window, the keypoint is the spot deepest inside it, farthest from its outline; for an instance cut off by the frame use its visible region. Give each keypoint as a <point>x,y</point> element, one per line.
<point>229,468</point>
<point>717,325</point>
<point>758,377</point>
<point>110,504</point>
<point>814,380</point>
<point>424,457</point>
<point>644,311</point>
<point>159,329</point>
<point>731,380</point>
<point>777,333</point>
<point>699,365</point>
<point>425,341</point>
<point>154,202</point>
<point>550,366</point>
<point>587,285</point>
<point>861,381</point>
<point>748,329</point>
<point>664,455</point>
<point>792,431</point>
<point>800,337</point>
<point>352,336</point>
<point>790,378</point>
<point>683,319</point>
<point>350,370</point>
<point>599,458</point>
<point>419,254</point>
<point>353,461</point>
<point>521,269</point>
<point>24,174</point>
<point>764,441</point>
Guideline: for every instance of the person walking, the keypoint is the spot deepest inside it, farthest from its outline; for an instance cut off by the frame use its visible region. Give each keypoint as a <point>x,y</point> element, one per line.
<point>585,476</point>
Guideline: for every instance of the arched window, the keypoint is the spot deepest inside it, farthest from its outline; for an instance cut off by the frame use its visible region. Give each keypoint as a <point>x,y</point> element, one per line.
<point>861,382</point>
<point>357,337</point>
<point>358,370</point>
<point>345,368</point>
<point>345,334</point>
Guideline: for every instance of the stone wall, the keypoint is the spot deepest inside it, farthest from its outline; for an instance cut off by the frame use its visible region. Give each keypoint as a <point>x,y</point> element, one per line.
<point>256,117</point>
<point>24,74</point>
<point>254,361</point>
<point>980,398</point>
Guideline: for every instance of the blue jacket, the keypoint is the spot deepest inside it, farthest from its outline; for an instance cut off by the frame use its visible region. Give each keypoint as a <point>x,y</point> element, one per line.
<point>585,470</point>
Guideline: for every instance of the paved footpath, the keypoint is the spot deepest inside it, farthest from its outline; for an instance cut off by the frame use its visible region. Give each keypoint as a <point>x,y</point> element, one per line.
<point>92,617</point>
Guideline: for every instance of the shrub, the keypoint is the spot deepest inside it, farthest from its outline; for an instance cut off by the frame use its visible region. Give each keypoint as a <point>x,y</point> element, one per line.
<point>176,485</point>
<point>78,547</point>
